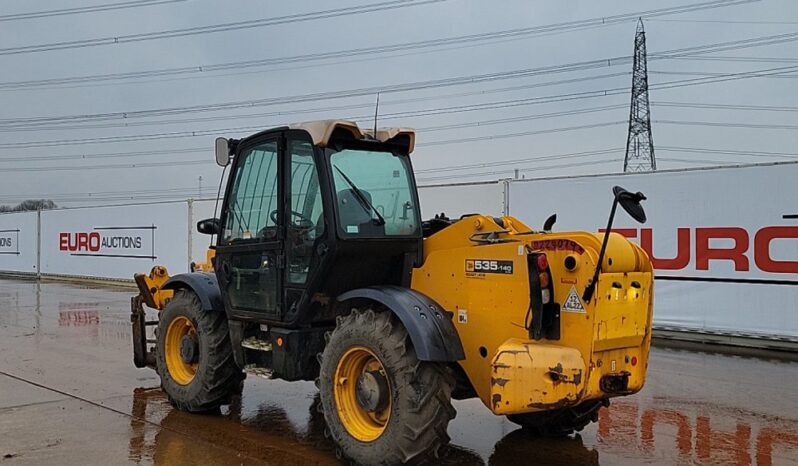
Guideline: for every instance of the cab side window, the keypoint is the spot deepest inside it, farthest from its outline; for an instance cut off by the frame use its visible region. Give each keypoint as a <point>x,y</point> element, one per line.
<point>252,205</point>
<point>306,218</point>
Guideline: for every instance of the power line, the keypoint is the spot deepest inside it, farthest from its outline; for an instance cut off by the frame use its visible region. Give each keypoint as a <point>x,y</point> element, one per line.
<point>184,134</point>
<point>316,110</point>
<point>105,199</point>
<point>722,21</point>
<point>765,108</point>
<point>700,150</point>
<point>339,94</point>
<point>583,163</point>
<point>523,170</point>
<point>441,42</point>
<point>84,9</point>
<point>520,118</point>
<point>106,154</point>
<point>741,59</point>
<point>397,115</point>
<point>699,161</point>
<point>413,86</point>
<point>722,124</point>
<point>709,73</point>
<point>613,150</point>
<point>110,166</point>
<point>190,190</point>
<point>96,194</point>
<point>564,97</point>
<point>214,28</point>
<point>520,133</point>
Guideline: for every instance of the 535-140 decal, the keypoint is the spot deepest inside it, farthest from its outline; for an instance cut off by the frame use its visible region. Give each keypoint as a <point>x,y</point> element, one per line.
<point>489,266</point>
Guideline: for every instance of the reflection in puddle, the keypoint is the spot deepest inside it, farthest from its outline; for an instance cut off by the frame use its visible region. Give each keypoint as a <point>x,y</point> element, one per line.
<point>627,433</point>
<point>78,318</point>
<point>698,433</point>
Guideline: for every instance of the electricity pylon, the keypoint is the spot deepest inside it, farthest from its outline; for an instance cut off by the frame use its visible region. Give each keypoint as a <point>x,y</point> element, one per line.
<point>639,143</point>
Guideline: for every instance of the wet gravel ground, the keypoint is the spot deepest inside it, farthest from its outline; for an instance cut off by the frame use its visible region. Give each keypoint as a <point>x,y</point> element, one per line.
<point>69,394</point>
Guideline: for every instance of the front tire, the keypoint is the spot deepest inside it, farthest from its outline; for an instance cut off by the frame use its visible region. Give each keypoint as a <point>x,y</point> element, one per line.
<point>381,404</point>
<point>194,356</point>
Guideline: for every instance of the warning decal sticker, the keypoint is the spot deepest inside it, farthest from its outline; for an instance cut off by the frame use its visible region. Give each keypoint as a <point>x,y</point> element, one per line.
<point>572,302</point>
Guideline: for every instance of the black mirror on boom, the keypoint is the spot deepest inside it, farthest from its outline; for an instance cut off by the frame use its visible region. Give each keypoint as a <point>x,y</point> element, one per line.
<point>322,269</point>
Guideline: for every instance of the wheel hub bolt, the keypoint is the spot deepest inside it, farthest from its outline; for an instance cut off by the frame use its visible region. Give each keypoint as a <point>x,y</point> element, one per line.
<point>372,391</point>
<point>189,349</point>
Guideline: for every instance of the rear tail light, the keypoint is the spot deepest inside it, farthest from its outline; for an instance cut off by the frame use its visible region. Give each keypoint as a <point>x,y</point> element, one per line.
<point>543,262</point>
<point>544,312</point>
<point>544,280</point>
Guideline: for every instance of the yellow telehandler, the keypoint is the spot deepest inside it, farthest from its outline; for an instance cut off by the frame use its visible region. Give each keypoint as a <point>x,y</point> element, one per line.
<point>322,269</point>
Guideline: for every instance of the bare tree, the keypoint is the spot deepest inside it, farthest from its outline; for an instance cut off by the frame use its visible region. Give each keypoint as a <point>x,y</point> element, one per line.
<point>30,204</point>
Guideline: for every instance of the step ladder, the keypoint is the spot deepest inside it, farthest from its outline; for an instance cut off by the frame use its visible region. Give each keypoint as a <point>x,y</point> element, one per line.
<point>258,371</point>
<point>256,344</point>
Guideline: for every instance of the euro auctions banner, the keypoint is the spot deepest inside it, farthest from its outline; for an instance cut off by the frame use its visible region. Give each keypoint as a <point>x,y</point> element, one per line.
<point>115,241</point>
<point>18,237</point>
<point>723,241</point>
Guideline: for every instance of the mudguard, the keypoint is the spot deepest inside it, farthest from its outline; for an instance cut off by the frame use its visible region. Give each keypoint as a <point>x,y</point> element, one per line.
<point>204,284</point>
<point>430,327</point>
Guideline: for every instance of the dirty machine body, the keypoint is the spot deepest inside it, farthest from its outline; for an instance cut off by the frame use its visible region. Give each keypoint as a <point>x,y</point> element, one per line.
<point>322,269</point>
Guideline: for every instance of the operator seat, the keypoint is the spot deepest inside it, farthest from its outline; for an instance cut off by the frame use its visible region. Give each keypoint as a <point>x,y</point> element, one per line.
<point>356,217</point>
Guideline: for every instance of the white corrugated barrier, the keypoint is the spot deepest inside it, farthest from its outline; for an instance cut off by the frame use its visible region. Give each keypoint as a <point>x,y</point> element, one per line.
<point>724,240</point>
<point>18,242</point>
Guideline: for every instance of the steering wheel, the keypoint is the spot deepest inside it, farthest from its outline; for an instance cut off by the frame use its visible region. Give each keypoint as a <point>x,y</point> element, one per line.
<point>303,222</point>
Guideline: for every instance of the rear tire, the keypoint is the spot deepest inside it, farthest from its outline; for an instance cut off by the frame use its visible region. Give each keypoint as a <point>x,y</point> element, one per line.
<point>211,377</point>
<point>411,425</point>
<point>559,422</point>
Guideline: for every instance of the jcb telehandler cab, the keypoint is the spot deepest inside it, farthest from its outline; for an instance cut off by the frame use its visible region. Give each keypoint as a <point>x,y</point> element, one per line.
<point>323,270</point>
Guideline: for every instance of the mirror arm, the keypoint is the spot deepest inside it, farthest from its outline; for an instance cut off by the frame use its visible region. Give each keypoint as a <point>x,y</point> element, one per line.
<point>591,287</point>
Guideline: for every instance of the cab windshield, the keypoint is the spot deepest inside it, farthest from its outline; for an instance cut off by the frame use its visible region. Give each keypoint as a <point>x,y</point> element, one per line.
<point>373,194</point>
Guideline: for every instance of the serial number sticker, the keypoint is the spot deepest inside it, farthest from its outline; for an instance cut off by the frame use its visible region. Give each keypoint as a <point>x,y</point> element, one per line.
<point>489,266</point>
<point>558,245</point>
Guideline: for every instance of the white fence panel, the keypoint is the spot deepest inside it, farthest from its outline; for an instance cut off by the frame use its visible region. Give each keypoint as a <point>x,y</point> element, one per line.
<point>724,241</point>
<point>115,241</point>
<point>463,198</point>
<point>18,236</point>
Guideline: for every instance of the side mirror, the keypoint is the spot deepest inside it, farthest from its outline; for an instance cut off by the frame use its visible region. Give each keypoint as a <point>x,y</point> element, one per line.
<point>209,226</point>
<point>549,223</point>
<point>631,203</point>
<point>222,152</point>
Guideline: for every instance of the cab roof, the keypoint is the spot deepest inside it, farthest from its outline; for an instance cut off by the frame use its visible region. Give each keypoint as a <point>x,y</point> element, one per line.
<point>322,131</point>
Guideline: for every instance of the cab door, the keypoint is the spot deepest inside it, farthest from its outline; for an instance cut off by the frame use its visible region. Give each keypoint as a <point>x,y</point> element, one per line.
<point>249,256</point>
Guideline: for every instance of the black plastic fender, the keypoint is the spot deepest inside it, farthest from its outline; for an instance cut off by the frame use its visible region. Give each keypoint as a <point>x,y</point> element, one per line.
<point>203,284</point>
<point>430,327</point>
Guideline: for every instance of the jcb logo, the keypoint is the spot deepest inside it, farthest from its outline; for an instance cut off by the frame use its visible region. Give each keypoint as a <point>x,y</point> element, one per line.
<point>489,266</point>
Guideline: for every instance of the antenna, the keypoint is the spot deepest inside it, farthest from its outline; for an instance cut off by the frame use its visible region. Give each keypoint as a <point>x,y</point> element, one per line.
<point>639,143</point>
<point>376,113</point>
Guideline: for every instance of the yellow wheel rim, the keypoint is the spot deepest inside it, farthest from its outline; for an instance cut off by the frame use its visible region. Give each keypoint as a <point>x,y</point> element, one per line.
<point>181,371</point>
<point>363,425</point>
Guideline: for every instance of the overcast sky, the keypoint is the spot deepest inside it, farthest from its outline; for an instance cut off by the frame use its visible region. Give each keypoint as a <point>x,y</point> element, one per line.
<point>673,122</point>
